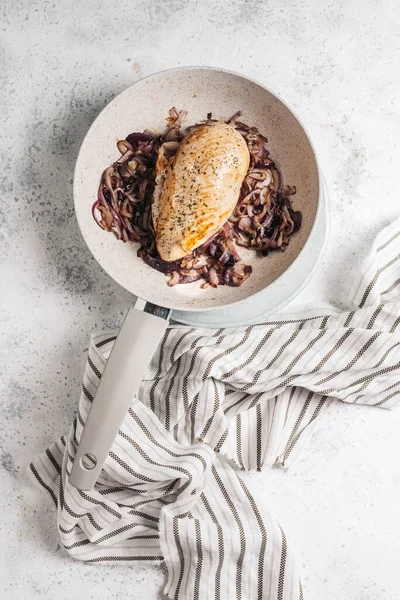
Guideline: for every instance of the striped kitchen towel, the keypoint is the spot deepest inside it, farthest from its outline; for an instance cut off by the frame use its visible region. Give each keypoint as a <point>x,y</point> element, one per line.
<point>212,403</point>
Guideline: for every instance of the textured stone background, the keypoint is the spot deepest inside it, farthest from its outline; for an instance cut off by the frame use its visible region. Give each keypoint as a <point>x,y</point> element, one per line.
<point>337,64</point>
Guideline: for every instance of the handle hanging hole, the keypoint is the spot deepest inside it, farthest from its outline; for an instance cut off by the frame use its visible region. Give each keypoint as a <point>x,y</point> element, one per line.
<point>88,461</point>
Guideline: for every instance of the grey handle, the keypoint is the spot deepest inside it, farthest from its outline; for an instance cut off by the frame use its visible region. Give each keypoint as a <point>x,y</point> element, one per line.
<point>132,352</point>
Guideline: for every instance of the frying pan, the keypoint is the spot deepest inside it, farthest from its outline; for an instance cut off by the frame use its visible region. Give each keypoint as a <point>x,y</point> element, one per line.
<point>199,90</point>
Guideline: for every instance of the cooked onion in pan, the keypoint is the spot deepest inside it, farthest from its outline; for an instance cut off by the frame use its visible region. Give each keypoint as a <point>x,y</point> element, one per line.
<point>263,219</point>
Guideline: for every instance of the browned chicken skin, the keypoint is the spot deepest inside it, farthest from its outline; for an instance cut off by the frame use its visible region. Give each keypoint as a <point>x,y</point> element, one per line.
<point>198,188</point>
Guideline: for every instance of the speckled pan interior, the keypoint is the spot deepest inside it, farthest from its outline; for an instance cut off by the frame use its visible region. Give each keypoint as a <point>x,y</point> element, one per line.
<point>199,90</point>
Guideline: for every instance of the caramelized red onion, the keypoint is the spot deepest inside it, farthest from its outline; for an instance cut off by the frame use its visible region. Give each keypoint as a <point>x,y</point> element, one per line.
<point>263,219</point>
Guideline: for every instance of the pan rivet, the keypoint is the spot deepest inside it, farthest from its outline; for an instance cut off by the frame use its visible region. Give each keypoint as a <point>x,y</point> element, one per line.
<point>88,461</point>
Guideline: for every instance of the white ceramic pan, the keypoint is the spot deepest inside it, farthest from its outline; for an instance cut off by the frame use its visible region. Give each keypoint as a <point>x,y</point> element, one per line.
<point>199,90</point>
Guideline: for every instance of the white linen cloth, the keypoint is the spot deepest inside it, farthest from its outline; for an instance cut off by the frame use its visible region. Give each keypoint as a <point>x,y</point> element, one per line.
<point>214,402</point>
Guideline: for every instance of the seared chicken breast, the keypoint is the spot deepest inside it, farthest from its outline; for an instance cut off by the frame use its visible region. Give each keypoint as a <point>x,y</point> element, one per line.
<point>198,188</point>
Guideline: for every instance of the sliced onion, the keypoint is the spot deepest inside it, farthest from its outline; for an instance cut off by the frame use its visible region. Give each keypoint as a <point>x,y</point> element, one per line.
<point>234,117</point>
<point>190,278</point>
<point>262,220</point>
<point>259,216</point>
<point>125,157</point>
<point>245,224</point>
<point>124,146</point>
<point>259,174</point>
<point>134,138</point>
<point>213,277</point>
<point>289,190</point>
<point>174,279</point>
<point>232,249</point>
<point>276,178</point>
<point>106,215</point>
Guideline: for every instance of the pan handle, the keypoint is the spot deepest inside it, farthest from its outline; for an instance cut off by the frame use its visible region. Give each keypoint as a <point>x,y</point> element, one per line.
<point>137,341</point>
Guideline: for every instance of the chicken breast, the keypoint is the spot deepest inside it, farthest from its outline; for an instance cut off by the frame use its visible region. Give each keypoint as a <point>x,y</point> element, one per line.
<point>198,188</point>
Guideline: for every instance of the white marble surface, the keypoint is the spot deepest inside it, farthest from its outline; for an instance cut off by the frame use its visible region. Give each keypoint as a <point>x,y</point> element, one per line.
<point>337,64</point>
